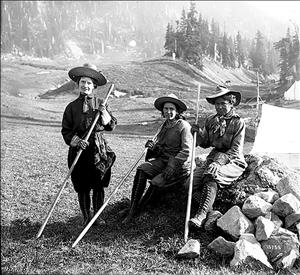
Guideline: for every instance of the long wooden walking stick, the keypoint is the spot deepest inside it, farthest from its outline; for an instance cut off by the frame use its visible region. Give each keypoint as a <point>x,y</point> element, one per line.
<point>115,191</point>
<point>188,208</point>
<point>111,88</point>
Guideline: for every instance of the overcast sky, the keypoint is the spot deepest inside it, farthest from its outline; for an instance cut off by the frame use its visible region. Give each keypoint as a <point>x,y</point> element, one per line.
<point>286,10</point>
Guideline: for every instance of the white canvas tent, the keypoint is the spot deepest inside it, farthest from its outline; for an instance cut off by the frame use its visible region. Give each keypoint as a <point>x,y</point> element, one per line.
<point>278,135</point>
<point>293,93</point>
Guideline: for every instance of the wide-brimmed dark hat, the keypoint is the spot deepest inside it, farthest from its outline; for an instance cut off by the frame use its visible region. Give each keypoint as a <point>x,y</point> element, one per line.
<point>159,102</point>
<point>88,70</point>
<point>221,91</point>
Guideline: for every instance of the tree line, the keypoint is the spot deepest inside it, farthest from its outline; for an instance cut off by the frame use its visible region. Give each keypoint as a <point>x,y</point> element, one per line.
<point>42,28</point>
<point>193,38</point>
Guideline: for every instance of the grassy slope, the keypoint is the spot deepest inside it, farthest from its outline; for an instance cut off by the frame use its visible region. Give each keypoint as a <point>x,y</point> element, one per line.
<point>33,166</point>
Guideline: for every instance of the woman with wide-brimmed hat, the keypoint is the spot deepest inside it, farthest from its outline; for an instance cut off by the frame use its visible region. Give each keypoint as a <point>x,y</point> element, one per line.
<point>93,169</point>
<point>168,158</point>
<point>225,132</point>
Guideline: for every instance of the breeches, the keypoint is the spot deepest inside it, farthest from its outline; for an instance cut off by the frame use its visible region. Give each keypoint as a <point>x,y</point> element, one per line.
<point>153,167</point>
<point>224,176</point>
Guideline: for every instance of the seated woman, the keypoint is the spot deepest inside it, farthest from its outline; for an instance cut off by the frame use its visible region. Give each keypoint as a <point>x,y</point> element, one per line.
<point>169,156</point>
<point>225,132</point>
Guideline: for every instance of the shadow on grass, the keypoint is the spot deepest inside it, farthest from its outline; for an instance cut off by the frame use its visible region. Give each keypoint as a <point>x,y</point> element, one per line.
<point>159,229</point>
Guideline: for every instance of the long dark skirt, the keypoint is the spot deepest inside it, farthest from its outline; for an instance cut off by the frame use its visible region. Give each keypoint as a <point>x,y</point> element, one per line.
<point>85,176</point>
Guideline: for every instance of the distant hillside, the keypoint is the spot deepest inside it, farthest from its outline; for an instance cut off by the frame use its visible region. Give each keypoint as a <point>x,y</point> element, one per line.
<point>100,27</point>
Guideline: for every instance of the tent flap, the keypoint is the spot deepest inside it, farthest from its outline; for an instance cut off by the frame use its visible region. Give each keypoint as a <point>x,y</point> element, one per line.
<point>278,135</point>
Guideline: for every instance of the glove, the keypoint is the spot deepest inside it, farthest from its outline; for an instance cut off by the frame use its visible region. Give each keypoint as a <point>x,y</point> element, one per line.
<point>213,168</point>
<point>195,129</point>
<point>105,116</point>
<point>221,158</point>
<point>150,144</point>
<point>168,172</point>
<point>78,142</point>
<point>170,169</point>
<point>101,105</point>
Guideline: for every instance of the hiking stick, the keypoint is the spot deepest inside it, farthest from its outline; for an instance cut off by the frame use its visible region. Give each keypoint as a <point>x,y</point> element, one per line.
<point>73,164</point>
<point>188,208</point>
<point>115,191</point>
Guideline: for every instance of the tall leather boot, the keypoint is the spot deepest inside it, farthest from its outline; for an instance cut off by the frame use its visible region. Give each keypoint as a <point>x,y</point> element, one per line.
<point>207,199</point>
<point>85,205</point>
<point>98,199</point>
<point>148,196</point>
<point>139,185</point>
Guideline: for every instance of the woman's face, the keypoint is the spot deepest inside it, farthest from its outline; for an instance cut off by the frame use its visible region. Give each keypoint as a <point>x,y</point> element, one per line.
<point>169,111</point>
<point>86,85</point>
<point>223,106</point>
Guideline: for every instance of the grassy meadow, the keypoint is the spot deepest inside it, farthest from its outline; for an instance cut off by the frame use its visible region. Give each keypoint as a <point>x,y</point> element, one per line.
<point>33,167</point>
<point>34,164</point>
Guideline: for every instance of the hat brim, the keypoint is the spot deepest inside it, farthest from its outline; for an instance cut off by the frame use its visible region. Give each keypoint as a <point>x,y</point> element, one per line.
<point>78,72</point>
<point>212,99</point>
<point>159,103</point>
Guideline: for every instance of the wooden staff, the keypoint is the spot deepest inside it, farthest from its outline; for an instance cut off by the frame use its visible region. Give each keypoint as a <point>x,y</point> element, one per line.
<point>188,208</point>
<point>112,194</point>
<point>73,164</point>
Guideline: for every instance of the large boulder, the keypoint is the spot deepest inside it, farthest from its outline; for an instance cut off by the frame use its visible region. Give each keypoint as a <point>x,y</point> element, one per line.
<point>234,223</point>
<point>254,207</point>
<point>222,247</point>
<point>289,184</point>
<point>286,205</point>
<point>282,249</point>
<point>248,251</point>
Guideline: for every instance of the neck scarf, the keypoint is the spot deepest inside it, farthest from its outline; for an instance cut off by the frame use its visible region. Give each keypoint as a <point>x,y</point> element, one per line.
<point>221,123</point>
<point>87,103</point>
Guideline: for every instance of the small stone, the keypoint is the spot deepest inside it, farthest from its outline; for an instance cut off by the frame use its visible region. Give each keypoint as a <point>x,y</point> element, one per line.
<point>248,252</point>
<point>190,250</point>
<point>235,223</point>
<point>222,247</point>
<point>254,207</point>
<point>268,196</point>
<point>286,205</point>
<point>264,228</point>
<point>292,219</point>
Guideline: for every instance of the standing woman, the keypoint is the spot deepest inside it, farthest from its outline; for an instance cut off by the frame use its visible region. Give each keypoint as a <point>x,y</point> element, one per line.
<point>225,132</point>
<point>93,169</point>
<point>169,157</point>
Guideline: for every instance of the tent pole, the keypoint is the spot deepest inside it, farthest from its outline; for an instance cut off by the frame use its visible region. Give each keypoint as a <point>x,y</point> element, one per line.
<point>257,99</point>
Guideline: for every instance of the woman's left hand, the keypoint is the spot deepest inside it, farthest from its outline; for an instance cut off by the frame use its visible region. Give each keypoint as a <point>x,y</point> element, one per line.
<point>213,168</point>
<point>168,172</point>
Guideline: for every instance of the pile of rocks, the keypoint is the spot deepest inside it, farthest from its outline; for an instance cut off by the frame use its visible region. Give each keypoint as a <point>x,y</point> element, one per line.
<point>262,230</point>
<point>261,217</point>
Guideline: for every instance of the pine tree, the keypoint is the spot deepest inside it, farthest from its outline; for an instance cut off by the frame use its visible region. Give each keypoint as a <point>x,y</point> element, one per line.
<point>170,40</point>
<point>240,55</point>
<point>259,55</point>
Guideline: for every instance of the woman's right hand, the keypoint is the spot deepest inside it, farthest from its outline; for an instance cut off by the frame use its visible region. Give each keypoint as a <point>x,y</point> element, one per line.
<point>150,144</point>
<point>83,144</point>
<point>195,129</point>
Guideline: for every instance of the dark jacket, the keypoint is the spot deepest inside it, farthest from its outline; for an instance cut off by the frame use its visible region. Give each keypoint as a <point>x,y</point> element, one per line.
<point>94,165</point>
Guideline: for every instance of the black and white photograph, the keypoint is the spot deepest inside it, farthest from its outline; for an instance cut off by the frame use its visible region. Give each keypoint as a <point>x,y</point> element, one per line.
<point>150,137</point>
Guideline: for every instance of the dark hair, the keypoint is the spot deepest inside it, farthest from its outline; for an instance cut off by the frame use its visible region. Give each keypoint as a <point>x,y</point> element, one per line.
<point>94,81</point>
<point>179,114</point>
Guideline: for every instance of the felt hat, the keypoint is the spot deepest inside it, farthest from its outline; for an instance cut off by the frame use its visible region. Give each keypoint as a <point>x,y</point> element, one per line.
<point>88,70</point>
<point>159,102</point>
<point>221,91</point>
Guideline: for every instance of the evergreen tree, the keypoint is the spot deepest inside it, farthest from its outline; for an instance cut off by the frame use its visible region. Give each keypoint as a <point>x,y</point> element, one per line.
<point>170,40</point>
<point>225,51</point>
<point>240,55</point>
<point>259,55</point>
